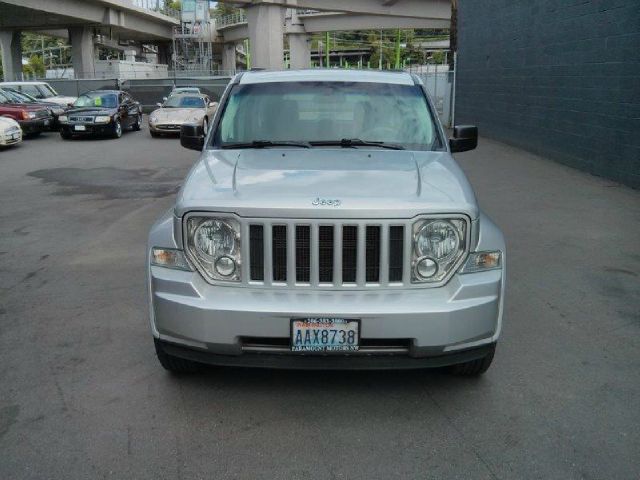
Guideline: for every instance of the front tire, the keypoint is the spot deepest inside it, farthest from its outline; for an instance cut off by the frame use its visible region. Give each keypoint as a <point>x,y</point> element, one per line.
<point>138,125</point>
<point>154,134</point>
<point>117,129</point>
<point>174,364</point>
<point>474,368</point>
<point>65,135</point>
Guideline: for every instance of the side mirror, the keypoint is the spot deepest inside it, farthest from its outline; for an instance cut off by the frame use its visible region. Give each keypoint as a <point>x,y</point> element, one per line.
<point>192,136</point>
<point>159,104</point>
<point>465,138</point>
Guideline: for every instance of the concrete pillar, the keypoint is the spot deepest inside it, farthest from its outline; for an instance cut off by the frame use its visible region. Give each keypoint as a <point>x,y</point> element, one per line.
<point>11,45</point>
<point>300,49</point>
<point>266,30</point>
<point>229,57</point>
<point>82,52</point>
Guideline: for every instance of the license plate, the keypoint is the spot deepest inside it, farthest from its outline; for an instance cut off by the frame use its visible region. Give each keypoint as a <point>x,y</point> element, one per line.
<point>79,128</point>
<point>324,335</point>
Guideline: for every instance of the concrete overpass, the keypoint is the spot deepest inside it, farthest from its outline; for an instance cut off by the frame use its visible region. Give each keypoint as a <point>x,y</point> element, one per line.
<point>267,21</point>
<point>83,20</point>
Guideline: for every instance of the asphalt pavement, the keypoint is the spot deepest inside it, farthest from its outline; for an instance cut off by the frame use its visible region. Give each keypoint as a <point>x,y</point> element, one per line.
<point>82,395</point>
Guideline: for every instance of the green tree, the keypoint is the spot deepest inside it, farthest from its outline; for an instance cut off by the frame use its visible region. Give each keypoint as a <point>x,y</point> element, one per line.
<point>35,67</point>
<point>221,9</point>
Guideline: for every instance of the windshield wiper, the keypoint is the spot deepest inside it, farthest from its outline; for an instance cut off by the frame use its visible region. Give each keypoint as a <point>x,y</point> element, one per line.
<point>266,144</point>
<point>356,142</point>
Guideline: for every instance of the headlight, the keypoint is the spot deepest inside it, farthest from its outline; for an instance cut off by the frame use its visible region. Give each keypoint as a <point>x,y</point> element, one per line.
<point>169,258</point>
<point>102,119</point>
<point>438,245</point>
<point>63,118</point>
<point>31,114</point>
<point>153,119</point>
<point>214,245</point>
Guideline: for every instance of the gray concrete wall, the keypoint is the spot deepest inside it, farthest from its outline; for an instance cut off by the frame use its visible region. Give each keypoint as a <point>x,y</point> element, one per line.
<point>557,77</point>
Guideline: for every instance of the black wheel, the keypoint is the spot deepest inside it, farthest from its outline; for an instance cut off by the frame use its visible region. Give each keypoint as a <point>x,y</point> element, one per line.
<point>154,134</point>
<point>474,367</point>
<point>175,364</point>
<point>138,125</point>
<point>33,135</point>
<point>65,135</point>
<point>117,129</point>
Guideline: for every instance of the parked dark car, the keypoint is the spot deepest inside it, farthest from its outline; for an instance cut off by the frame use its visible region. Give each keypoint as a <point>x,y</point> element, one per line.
<point>33,119</point>
<point>23,98</point>
<point>101,113</point>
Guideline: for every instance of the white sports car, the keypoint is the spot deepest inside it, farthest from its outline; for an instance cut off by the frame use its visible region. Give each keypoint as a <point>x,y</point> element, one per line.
<point>10,132</point>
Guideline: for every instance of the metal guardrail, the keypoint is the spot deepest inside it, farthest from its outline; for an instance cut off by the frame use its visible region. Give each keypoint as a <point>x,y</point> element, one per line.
<point>231,19</point>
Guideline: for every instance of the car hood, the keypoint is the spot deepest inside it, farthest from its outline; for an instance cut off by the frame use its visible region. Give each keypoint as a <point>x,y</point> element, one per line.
<point>62,100</point>
<point>181,115</point>
<point>91,111</point>
<point>294,182</point>
<point>31,107</point>
<point>7,123</point>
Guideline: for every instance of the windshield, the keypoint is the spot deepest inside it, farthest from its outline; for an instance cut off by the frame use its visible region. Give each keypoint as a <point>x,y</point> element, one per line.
<point>328,111</point>
<point>97,99</point>
<point>184,102</point>
<point>18,97</point>
<point>38,91</point>
<point>5,98</point>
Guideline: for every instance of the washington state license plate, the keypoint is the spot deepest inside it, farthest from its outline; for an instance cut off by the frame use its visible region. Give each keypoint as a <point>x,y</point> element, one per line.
<point>324,335</point>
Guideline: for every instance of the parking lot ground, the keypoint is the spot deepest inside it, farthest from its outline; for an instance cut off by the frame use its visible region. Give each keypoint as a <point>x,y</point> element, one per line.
<point>82,395</point>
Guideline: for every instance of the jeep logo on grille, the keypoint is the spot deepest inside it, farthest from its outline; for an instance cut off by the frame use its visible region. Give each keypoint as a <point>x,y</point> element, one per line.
<point>326,201</point>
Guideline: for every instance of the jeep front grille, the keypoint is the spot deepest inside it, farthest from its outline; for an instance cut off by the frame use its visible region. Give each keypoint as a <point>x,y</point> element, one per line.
<point>324,254</point>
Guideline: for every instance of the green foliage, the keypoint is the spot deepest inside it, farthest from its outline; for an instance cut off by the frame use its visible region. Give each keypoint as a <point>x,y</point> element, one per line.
<point>438,57</point>
<point>174,4</point>
<point>35,67</point>
<point>222,9</point>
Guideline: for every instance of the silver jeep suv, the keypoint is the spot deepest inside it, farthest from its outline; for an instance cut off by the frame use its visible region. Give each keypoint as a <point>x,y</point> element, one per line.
<point>326,225</point>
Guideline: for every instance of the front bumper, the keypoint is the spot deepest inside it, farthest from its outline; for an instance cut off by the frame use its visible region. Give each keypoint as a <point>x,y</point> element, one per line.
<point>399,327</point>
<point>326,362</point>
<point>12,138</point>
<point>166,128</point>
<point>36,125</point>
<point>91,129</point>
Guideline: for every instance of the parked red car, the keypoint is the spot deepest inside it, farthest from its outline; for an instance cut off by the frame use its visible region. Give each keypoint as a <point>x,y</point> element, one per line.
<point>33,119</point>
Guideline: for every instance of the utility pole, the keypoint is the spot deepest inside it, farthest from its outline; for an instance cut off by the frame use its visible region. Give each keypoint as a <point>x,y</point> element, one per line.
<point>380,54</point>
<point>326,38</point>
<point>398,50</point>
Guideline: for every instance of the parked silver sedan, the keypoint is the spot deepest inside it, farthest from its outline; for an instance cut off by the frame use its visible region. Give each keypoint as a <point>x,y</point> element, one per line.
<point>179,109</point>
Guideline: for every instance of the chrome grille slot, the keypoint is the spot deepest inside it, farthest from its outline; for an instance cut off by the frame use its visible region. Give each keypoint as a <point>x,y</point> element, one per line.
<point>349,253</point>
<point>303,254</point>
<point>373,254</point>
<point>279,247</point>
<point>256,255</point>
<point>396,241</point>
<point>326,253</point>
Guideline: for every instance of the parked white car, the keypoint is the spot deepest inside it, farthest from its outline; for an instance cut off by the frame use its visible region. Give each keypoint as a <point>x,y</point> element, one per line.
<point>40,91</point>
<point>10,132</point>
